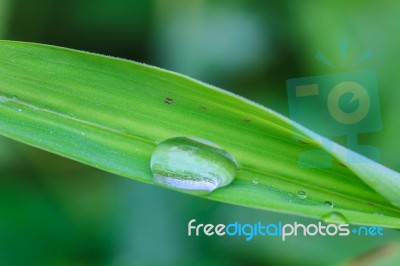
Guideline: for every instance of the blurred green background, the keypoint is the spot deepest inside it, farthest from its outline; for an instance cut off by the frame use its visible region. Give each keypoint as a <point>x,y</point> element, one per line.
<point>54,211</point>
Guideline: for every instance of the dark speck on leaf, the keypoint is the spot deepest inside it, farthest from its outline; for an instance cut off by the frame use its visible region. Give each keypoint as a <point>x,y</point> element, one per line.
<point>168,100</point>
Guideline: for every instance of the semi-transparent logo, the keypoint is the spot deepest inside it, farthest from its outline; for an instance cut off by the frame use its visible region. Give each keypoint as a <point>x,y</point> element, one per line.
<point>342,104</point>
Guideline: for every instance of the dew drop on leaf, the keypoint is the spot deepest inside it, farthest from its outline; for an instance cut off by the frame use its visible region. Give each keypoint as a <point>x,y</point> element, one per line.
<point>192,164</point>
<point>255,181</point>
<point>302,194</point>
<point>334,217</point>
<point>328,204</point>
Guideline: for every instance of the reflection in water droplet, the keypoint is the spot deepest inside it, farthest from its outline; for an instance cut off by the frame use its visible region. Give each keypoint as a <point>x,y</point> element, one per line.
<point>302,194</point>
<point>334,217</point>
<point>192,165</point>
<point>328,204</point>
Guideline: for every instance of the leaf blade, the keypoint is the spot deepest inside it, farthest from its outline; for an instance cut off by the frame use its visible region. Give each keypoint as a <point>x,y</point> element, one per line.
<point>95,109</point>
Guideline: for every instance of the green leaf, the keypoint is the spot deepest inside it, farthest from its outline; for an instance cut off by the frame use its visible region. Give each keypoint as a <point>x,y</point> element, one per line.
<point>111,113</point>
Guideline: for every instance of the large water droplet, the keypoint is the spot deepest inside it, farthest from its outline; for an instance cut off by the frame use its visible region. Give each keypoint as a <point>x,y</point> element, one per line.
<point>302,194</point>
<point>192,164</point>
<point>334,217</point>
<point>328,204</point>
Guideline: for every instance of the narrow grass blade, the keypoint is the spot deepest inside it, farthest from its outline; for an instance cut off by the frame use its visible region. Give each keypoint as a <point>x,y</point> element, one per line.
<point>111,113</point>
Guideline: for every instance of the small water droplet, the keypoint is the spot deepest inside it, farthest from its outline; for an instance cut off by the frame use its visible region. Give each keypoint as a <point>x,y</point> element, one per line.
<point>328,204</point>
<point>15,97</point>
<point>302,194</point>
<point>255,181</point>
<point>168,100</point>
<point>192,165</point>
<point>19,109</point>
<point>377,214</point>
<point>334,217</point>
